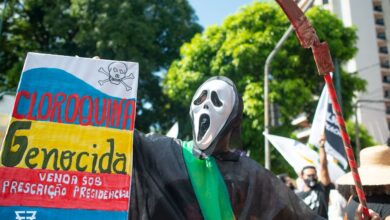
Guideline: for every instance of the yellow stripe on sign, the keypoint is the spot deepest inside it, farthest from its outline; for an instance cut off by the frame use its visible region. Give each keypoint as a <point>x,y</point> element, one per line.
<point>55,146</point>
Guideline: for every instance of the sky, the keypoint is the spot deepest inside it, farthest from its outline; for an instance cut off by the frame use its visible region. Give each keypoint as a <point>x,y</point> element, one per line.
<point>211,12</point>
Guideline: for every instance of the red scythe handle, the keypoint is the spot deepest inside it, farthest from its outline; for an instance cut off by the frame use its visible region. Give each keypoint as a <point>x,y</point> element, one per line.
<point>308,39</point>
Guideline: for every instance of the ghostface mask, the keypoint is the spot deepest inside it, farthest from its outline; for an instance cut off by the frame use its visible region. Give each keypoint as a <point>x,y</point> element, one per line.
<point>213,107</point>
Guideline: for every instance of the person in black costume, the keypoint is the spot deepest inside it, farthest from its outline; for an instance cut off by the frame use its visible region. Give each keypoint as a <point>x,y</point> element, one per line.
<point>162,183</point>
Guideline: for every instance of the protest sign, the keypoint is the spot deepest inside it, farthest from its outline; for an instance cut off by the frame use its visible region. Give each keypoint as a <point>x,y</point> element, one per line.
<point>67,153</point>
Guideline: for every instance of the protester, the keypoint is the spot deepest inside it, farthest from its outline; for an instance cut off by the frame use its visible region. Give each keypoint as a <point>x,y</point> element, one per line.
<point>204,178</point>
<point>337,205</point>
<point>316,193</point>
<point>374,172</point>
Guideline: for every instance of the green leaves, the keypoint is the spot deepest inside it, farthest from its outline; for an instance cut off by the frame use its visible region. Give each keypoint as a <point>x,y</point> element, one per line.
<point>252,107</point>
<point>238,49</point>
<point>148,32</point>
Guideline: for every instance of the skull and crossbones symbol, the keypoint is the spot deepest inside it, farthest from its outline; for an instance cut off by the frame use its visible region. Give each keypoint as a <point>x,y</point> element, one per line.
<point>117,73</point>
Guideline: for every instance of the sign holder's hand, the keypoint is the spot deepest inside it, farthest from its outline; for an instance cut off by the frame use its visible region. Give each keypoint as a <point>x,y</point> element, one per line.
<point>359,214</point>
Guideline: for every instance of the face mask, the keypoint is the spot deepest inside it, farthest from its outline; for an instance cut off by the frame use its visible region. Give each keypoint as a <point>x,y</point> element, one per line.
<point>210,109</point>
<point>311,182</point>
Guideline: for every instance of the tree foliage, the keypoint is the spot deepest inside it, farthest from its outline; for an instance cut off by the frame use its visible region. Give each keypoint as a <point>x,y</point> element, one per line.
<point>364,137</point>
<point>148,32</point>
<point>238,49</point>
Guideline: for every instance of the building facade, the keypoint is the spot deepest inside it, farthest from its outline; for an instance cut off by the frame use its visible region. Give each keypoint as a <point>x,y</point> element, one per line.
<point>372,62</point>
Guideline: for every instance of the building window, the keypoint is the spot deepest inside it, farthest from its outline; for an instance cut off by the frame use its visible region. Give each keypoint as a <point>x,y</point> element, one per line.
<point>380,21</point>
<point>385,64</point>
<point>378,8</point>
<point>387,94</point>
<point>381,35</point>
<point>383,50</point>
<point>386,79</point>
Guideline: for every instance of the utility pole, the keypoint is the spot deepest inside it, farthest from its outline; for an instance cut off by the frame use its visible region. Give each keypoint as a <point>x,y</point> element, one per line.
<point>357,134</point>
<point>267,160</point>
<point>286,34</point>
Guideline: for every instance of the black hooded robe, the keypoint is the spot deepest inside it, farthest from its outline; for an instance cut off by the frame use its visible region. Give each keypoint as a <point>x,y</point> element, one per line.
<point>161,188</point>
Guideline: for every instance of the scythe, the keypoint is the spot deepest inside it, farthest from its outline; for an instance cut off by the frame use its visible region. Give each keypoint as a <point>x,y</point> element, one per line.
<point>308,39</point>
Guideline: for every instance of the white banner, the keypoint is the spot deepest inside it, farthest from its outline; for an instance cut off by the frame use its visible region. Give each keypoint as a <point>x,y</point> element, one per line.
<point>325,121</point>
<point>299,155</point>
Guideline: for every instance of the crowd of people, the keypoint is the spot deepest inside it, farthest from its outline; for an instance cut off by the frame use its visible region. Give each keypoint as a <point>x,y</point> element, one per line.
<point>339,200</point>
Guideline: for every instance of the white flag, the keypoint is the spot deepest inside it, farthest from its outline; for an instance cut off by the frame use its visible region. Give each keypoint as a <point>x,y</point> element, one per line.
<point>318,125</point>
<point>335,171</point>
<point>325,121</point>
<point>299,155</point>
<point>173,131</point>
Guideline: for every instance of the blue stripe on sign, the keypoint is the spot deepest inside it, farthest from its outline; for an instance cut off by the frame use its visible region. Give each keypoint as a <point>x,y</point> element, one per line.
<point>32,213</point>
<point>57,81</point>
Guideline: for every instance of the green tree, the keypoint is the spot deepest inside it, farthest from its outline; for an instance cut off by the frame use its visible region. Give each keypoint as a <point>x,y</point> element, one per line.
<point>148,32</point>
<point>33,26</point>
<point>364,137</point>
<point>238,49</point>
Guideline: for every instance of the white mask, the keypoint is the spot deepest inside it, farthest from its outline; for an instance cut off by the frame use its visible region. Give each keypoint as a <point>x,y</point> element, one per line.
<point>210,110</point>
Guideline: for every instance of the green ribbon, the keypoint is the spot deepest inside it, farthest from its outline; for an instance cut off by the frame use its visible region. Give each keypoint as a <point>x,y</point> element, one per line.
<point>208,184</point>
